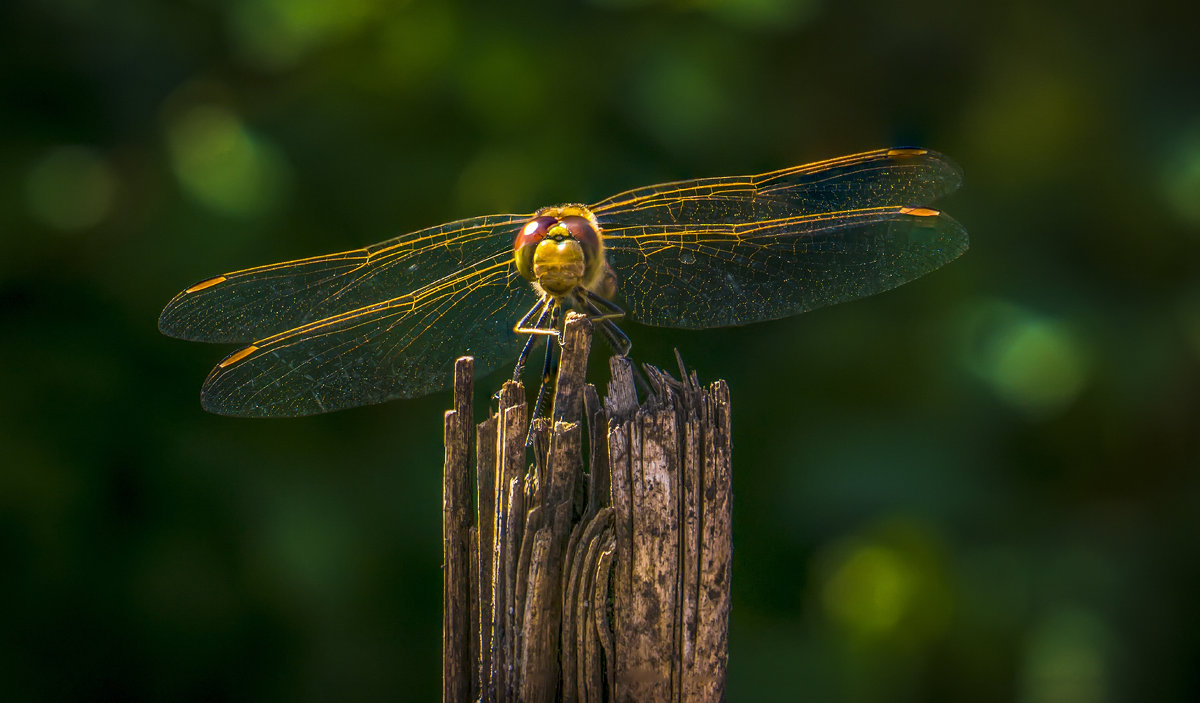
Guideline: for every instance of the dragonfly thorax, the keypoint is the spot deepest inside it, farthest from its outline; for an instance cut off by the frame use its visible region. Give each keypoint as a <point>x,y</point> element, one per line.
<point>561,249</point>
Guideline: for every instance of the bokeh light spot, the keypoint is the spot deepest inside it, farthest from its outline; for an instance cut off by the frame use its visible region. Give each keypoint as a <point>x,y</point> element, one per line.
<point>70,188</point>
<point>1181,178</point>
<point>1065,659</point>
<point>414,44</point>
<point>870,590</point>
<point>1035,364</point>
<point>277,33</point>
<point>678,98</point>
<point>887,586</point>
<point>221,164</point>
<point>775,15</point>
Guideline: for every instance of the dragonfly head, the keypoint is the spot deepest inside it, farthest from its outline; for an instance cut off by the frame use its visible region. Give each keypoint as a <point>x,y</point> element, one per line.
<point>560,249</point>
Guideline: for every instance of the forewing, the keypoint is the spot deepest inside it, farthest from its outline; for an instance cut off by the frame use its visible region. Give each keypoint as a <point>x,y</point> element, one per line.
<point>910,177</point>
<point>399,348</point>
<point>730,251</point>
<point>242,306</point>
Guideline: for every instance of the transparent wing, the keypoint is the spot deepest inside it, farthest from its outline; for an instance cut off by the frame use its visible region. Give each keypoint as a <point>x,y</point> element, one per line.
<point>695,277</point>
<point>730,251</point>
<point>382,322</point>
<point>878,178</point>
<point>397,348</point>
<point>254,303</point>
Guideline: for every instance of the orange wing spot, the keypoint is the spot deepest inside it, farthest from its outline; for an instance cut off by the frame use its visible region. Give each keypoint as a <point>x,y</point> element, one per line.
<point>206,284</point>
<point>238,356</point>
<point>919,211</point>
<point>907,152</point>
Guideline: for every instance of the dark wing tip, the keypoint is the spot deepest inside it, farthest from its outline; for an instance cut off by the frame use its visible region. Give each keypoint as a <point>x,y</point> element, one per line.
<point>215,396</point>
<point>172,320</point>
<point>169,320</point>
<point>241,386</point>
<point>949,173</point>
<point>193,316</point>
<point>943,231</point>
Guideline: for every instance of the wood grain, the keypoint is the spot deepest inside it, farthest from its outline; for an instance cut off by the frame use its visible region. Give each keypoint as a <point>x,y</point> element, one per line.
<point>589,581</point>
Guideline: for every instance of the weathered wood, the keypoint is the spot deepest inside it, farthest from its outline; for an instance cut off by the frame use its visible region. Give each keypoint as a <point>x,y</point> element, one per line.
<point>621,400</point>
<point>572,368</point>
<point>510,632</point>
<point>605,585</point>
<point>543,607</point>
<point>487,438</point>
<point>598,481</point>
<point>716,558</point>
<point>510,458</point>
<point>646,664</point>
<point>690,535</point>
<point>604,627</point>
<point>474,649</point>
<point>619,460</point>
<point>457,655</point>
<point>579,647</point>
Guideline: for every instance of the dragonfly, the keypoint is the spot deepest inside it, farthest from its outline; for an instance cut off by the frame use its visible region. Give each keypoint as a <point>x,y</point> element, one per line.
<point>385,321</point>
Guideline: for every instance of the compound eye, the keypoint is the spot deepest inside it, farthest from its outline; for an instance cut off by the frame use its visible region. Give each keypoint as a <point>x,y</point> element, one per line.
<point>582,231</point>
<point>534,231</point>
<point>528,238</point>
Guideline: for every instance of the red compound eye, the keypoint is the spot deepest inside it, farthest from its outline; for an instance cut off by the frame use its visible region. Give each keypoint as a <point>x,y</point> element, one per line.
<point>528,238</point>
<point>584,232</point>
<point>534,231</point>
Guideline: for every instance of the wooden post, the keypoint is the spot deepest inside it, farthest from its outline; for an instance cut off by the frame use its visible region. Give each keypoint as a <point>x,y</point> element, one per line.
<point>458,651</point>
<point>610,584</point>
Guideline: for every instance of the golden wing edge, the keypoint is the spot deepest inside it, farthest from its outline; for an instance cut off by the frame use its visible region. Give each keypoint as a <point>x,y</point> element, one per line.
<point>629,199</point>
<point>174,320</point>
<point>179,317</point>
<point>954,242</point>
<point>236,405</point>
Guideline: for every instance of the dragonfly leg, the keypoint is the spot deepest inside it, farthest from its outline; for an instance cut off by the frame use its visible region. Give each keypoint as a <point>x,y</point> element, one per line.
<point>538,315</point>
<point>549,372</point>
<point>599,307</point>
<point>616,339</point>
<point>539,311</point>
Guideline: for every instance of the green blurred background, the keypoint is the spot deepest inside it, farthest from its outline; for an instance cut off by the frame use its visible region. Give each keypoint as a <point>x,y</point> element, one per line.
<point>982,486</point>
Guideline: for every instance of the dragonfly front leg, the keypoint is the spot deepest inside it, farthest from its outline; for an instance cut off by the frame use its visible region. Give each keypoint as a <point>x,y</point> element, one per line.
<point>538,314</point>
